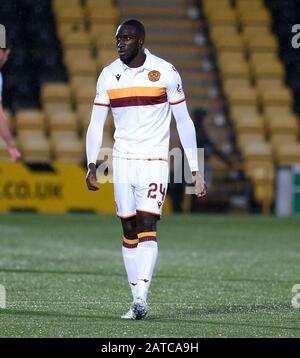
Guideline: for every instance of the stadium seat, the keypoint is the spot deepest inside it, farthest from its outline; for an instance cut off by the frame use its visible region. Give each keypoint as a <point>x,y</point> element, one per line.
<point>105,57</point>
<point>55,92</point>
<point>85,94</point>
<point>66,146</point>
<point>286,125</point>
<point>74,15</point>
<point>244,139</point>
<point>83,67</point>
<point>77,41</point>
<point>258,151</point>
<point>242,95</point>
<point>283,139</point>
<point>287,154</point>
<point>105,30</point>
<point>247,125</point>
<point>254,17</point>
<point>99,16</point>
<point>57,107</point>
<point>266,65</point>
<point>222,16</point>
<point>264,84</point>
<point>276,96</point>
<point>262,43</point>
<point>62,120</point>
<point>79,81</point>
<point>229,42</point>
<point>30,119</point>
<point>34,145</point>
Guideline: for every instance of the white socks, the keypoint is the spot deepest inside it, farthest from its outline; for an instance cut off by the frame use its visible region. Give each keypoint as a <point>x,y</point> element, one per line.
<point>129,253</point>
<point>139,262</point>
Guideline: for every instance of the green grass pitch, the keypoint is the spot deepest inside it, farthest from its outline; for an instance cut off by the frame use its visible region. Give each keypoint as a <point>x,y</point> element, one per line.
<point>217,276</point>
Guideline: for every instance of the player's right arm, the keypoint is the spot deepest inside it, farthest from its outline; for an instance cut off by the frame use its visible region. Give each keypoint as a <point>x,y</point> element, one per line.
<point>95,132</point>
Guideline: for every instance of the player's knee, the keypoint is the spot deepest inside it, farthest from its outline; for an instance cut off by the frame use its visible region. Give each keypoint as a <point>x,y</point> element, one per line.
<point>146,222</point>
<point>129,228</point>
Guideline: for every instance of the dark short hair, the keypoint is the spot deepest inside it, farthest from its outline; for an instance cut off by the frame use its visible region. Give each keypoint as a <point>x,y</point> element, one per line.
<point>137,25</point>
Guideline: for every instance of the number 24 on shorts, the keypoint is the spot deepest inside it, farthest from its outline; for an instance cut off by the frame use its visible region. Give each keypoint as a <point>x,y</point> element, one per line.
<point>153,189</point>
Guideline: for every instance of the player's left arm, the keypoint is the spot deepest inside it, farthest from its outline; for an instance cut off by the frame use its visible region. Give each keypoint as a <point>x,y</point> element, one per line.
<point>187,135</point>
<point>186,129</point>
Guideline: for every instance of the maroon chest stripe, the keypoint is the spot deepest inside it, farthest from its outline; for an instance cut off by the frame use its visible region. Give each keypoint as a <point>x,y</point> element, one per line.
<point>138,101</point>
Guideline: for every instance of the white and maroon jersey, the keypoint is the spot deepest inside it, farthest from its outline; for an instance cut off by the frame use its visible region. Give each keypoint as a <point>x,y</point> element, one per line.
<point>1,86</point>
<point>140,100</point>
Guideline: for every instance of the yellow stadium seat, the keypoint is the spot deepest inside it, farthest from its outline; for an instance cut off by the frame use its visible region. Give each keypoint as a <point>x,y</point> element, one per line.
<point>105,57</point>
<point>77,41</point>
<point>101,16</point>
<point>285,125</point>
<point>244,139</point>
<point>67,147</point>
<point>94,4</point>
<point>237,111</point>
<point>77,54</point>
<point>262,43</point>
<point>264,84</point>
<point>56,107</point>
<point>34,146</point>
<point>217,31</point>
<point>258,151</point>
<point>67,15</point>
<point>83,67</point>
<point>85,94</point>
<point>277,96</point>
<point>83,81</point>
<point>105,30</point>
<point>243,95</point>
<point>70,4</point>
<point>288,154</point>
<point>222,16</point>
<point>4,156</point>
<point>282,139</point>
<point>55,92</point>
<point>66,29</point>
<point>229,42</point>
<point>247,125</point>
<point>66,120</point>
<point>255,17</point>
<point>252,31</point>
<point>235,70</point>
<point>30,119</point>
<point>230,84</point>
<point>211,5</point>
<point>277,111</point>
<point>247,5</point>
<point>266,65</point>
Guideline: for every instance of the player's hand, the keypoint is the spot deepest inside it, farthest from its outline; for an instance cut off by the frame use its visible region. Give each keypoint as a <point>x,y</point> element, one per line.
<point>200,186</point>
<point>14,154</point>
<point>91,178</point>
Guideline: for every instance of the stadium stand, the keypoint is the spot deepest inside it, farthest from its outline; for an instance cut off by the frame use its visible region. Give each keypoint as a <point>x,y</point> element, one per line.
<point>238,69</point>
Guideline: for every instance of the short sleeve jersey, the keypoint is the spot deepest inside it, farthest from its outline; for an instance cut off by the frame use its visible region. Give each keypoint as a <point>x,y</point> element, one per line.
<point>140,100</point>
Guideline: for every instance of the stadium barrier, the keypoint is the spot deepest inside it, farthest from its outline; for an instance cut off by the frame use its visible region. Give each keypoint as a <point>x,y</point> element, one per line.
<point>57,188</point>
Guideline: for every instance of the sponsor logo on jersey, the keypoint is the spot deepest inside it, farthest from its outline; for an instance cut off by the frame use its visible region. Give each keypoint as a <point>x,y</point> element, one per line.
<point>118,76</point>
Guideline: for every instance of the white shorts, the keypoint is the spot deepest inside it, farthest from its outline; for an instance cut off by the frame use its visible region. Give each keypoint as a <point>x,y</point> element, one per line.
<point>139,185</point>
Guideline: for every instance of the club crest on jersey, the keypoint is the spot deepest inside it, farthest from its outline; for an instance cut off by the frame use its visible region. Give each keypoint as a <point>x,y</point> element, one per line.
<point>154,76</point>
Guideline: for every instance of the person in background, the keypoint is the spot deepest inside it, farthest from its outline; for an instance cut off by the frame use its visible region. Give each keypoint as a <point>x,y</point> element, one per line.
<point>4,129</point>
